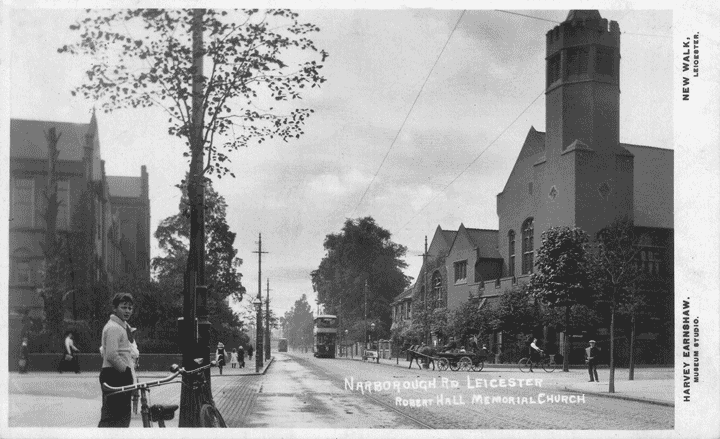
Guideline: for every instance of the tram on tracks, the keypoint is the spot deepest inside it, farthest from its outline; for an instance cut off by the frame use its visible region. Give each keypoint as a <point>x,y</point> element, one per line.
<point>325,335</point>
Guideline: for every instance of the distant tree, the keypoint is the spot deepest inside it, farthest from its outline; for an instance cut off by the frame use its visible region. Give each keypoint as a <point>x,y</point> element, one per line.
<point>563,273</point>
<point>361,261</point>
<point>617,275</point>
<point>299,323</point>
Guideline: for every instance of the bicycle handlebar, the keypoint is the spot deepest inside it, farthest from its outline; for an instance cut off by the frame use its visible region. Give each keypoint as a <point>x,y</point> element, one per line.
<point>147,384</point>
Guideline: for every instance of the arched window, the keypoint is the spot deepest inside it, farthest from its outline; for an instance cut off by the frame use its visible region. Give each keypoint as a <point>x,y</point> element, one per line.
<point>527,246</point>
<point>437,288</point>
<point>511,253</point>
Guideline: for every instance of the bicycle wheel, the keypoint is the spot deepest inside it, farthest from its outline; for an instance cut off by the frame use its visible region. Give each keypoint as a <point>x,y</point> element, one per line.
<point>478,367</point>
<point>465,364</point>
<point>524,364</point>
<point>210,417</point>
<point>549,365</point>
<point>145,415</point>
<point>443,364</point>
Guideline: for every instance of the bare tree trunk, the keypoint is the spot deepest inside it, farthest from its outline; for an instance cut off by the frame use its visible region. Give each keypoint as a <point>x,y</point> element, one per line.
<point>631,375</point>
<point>51,290</point>
<point>611,380</point>
<point>566,347</point>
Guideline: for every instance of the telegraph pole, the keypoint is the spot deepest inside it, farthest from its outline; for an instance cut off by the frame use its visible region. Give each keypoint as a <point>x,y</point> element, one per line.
<point>258,326</point>
<point>267,323</point>
<point>194,328</point>
<point>425,290</point>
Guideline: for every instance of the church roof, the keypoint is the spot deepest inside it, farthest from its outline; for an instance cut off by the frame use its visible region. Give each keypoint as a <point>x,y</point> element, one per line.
<point>583,14</point>
<point>27,139</point>
<point>486,242</point>
<point>124,186</point>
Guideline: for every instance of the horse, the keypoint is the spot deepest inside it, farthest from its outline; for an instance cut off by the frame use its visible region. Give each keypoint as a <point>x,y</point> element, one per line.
<point>421,353</point>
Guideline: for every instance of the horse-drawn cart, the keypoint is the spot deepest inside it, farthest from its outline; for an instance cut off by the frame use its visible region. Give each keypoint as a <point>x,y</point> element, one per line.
<point>465,361</point>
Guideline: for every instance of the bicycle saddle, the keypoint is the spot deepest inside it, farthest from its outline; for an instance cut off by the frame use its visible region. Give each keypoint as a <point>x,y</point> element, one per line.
<point>164,412</point>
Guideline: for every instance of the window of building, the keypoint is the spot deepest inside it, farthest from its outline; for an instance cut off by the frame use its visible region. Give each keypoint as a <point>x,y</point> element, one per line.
<point>577,61</point>
<point>460,271</point>
<point>650,260</point>
<point>23,202</point>
<point>527,246</point>
<point>63,197</point>
<point>437,288</point>
<point>553,69</point>
<point>21,269</point>
<point>605,61</point>
<point>511,253</point>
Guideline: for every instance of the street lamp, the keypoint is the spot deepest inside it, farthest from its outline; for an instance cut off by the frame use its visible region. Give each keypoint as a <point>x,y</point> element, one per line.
<point>372,333</point>
<point>345,343</point>
<point>257,303</point>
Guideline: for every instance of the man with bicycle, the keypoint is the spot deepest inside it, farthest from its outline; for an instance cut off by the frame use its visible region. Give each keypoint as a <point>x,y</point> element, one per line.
<point>535,353</point>
<point>117,363</point>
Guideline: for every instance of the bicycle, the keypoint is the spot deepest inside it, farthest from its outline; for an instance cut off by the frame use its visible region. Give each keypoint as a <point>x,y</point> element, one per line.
<point>547,362</point>
<point>209,416</point>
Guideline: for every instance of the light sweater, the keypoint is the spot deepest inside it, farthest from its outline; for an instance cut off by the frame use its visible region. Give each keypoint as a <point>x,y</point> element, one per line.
<point>115,345</point>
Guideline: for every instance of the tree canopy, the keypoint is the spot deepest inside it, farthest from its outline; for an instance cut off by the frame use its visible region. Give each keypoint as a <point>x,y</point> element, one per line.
<point>361,254</point>
<point>298,324</point>
<point>255,61</point>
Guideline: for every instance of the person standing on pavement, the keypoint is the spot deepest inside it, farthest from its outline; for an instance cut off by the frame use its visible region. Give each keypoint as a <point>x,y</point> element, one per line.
<point>233,359</point>
<point>250,351</point>
<point>117,363</point>
<point>591,358</point>
<point>220,356</point>
<point>241,357</point>
<point>69,360</point>
<point>24,356</point>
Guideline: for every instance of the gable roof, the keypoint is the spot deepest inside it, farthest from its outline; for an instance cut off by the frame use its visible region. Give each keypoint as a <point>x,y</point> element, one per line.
<point>407,294</point>
<point>124,186</point>
<point>534,144</point>
<point>27,139</point>
<point>484,240</point>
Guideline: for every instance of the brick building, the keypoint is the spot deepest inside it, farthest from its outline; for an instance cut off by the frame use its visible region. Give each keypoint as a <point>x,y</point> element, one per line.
<point>104,220</point>
<point>578,173</point>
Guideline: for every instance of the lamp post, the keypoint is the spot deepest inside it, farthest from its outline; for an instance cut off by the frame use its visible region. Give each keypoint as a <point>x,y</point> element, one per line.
<point>258,334</point>
<point>345,343</point>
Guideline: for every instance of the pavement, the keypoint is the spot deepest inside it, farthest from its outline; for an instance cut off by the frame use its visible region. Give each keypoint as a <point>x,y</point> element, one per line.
<point>49,399</point>
<point>69,400</point>
<point>652,385</point>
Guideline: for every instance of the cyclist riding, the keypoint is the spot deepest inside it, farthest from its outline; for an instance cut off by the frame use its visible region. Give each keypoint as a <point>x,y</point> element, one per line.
<point>535,353</point>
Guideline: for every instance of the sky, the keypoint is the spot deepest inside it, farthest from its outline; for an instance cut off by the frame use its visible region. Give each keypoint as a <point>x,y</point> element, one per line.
<point>418,125</point>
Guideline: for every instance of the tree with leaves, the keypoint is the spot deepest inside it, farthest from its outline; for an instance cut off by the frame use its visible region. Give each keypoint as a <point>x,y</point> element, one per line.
<point>563,273</point>
<point>299,324</point>
<point>157,57</point>
<point>361,262</point>
<point>222,263</point>
<point>617,275</point>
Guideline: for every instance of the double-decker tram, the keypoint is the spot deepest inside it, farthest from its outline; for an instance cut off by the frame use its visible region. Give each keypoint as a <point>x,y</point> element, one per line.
<point>325,335</point>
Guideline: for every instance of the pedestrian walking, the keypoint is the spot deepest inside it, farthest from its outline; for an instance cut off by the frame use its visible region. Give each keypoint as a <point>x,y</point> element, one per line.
<point>69,360</point>
<point>220,356</point>
<point>117,363</point>
<point>233,358</point>
<point>24,356</point>
<point>241,357</point>
<point>592,354</point>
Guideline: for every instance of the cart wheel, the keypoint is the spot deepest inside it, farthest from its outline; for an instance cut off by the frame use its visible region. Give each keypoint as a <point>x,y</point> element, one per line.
<point>443,364</point>
<point>465,364</point>
<point>455,366</point>
<point>524,366</point>
<point>478,367</point>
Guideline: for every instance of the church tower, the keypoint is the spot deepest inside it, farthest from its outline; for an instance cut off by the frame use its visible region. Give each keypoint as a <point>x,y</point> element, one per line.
<point>587,176</point>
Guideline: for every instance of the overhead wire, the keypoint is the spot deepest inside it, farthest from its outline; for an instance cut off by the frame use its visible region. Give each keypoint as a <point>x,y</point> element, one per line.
<point>408,113</point>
